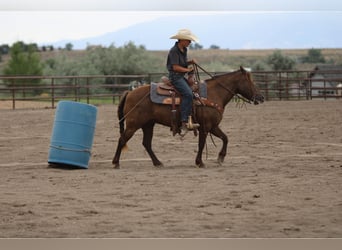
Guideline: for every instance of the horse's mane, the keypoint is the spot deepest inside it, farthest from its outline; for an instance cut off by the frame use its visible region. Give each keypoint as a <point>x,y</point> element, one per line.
<point>248,74</point>
<point>223,74</point>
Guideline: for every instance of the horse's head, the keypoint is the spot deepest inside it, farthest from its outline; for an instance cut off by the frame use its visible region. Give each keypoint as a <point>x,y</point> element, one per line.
<point>247,88</point>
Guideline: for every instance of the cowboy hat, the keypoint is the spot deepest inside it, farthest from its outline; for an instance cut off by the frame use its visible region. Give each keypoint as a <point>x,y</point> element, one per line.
<point>185,34</point>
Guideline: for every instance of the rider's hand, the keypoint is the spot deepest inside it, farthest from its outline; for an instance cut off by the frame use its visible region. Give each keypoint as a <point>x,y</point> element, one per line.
<point>193,61</point>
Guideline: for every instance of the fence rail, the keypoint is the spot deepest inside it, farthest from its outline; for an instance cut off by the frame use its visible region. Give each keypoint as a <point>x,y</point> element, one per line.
<point>93,89</point>
<point>97,89</point>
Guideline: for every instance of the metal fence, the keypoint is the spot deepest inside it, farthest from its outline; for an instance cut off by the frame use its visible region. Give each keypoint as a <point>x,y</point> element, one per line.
<point>298,85</point>
<point>98,89</point>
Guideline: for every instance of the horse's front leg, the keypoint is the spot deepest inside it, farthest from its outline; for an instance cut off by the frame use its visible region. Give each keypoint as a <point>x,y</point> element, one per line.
<point>201,143</point>
<point>219,133</point>
<point>147,143</point>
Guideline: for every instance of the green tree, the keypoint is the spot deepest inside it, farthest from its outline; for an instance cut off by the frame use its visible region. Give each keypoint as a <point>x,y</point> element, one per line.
<point>24,61</point>
<point>69,46</point>
<point>4,49</point>
<point>260,66</point>
<point>194,46</point>
<point>214,46</point>
<point>62,65</point>
<point>126,60</point>
<point>129,59</point>
<point>314,56</point>
<point>280,62</point>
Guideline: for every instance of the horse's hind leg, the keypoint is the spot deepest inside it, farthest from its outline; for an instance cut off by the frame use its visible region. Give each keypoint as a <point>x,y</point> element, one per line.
<point>116,159</point>
<point>124,138</point>
<point>147,142</point>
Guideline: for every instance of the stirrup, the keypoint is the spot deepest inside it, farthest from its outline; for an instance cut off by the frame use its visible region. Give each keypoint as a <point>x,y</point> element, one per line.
<point>190,125</point>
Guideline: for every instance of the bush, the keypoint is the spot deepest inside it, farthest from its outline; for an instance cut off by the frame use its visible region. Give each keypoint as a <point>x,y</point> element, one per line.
<point>24,61</point>
<point>279,62</point>
<point>314,56</point>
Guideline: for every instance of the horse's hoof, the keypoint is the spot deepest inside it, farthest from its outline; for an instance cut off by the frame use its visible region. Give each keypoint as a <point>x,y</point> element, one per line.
<point>220,160</point>
<point>117,166</point>
<point>201,165</point>
<point>159,165</point>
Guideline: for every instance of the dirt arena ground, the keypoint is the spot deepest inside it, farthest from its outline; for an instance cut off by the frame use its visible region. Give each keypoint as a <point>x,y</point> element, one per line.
<point>282,178</point>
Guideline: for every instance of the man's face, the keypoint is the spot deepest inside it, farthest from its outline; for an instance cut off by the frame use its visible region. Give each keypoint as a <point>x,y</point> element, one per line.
<point>185,43</point>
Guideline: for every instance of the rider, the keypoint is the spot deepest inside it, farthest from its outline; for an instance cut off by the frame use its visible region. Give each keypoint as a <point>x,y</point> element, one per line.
<point>177,65</point>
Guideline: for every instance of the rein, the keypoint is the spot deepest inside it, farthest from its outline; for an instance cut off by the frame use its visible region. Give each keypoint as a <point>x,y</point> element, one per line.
<point>124,117</point>
<point>197,66</point>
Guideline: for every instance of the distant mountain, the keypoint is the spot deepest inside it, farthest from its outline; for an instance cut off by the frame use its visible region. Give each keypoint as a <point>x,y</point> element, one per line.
<point>231,31</point>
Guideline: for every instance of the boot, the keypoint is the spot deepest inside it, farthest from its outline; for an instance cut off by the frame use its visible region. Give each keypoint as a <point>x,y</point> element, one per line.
<point>183,129</point>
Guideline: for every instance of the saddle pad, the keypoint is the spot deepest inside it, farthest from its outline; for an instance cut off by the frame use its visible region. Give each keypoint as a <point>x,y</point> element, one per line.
<point>156,98</point>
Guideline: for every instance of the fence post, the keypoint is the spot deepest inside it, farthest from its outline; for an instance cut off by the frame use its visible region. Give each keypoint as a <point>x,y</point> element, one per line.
<point>149,77</point>
<point>53,92</point>
<point>310,88</point>
<point>76,90</point>
<point>266,92</point>
<point>325,91</point>
<point>279,84</point>
<point>13,94</point>
<point>13,98</point>
<point>87,83</point>
<point>287,86</point>
<point>115,89</point>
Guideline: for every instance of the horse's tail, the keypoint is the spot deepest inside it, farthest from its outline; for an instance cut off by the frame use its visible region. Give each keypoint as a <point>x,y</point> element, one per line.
<point>121,115</point>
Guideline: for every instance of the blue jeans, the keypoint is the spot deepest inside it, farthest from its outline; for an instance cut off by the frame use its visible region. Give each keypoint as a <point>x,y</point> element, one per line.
<point>180,83</point>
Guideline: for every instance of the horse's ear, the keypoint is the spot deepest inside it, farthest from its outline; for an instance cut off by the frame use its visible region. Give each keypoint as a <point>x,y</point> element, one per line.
<point>242,69</point>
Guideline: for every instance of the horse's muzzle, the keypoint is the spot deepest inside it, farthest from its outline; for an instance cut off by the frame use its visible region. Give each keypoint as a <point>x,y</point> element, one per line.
<point>258,99</point>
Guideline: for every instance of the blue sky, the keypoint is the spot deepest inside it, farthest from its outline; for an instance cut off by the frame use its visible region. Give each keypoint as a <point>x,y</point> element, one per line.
<point>46,22</point>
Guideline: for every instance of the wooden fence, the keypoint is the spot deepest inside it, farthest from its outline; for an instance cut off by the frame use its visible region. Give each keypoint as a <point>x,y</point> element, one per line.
<point>95,89</point>
<point>98,89</point>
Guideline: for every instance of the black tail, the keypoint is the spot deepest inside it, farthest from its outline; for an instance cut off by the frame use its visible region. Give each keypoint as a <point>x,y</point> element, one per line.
<point>121,112</point>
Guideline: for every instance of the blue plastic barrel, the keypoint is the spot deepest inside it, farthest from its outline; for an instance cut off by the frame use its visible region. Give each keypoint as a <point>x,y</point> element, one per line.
<point>73,134</point>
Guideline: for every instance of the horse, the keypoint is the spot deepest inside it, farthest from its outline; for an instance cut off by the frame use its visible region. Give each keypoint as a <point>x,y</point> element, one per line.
<point>137,109</point>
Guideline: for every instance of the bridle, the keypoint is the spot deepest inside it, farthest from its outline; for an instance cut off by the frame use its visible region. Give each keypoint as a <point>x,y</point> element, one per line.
<point>244,99</point>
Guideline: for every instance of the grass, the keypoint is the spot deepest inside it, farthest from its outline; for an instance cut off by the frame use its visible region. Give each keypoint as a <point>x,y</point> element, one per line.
<point>211,59</point>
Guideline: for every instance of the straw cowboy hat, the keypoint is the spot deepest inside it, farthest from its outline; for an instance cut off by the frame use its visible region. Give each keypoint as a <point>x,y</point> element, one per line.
<point>185,34</point>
